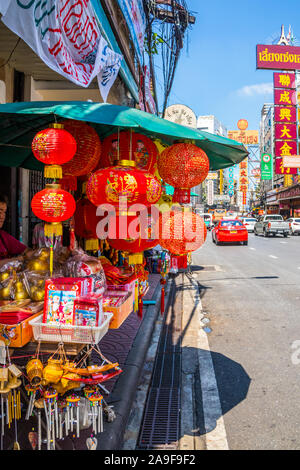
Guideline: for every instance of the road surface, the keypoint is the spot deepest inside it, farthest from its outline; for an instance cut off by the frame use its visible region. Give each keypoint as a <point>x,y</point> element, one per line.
<point>251,295</point>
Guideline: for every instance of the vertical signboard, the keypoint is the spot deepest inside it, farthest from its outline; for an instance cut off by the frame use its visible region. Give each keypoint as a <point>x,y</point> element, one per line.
<point>244,181</point>
<point>266,167</point>
<point>210,192</point>
<point>285,120</point>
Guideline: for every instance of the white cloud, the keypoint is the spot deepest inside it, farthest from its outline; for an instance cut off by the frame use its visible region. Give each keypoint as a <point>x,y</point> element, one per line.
<point>259,89</point>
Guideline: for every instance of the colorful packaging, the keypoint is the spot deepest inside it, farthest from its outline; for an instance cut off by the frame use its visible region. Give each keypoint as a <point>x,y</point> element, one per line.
<point>88,311</point>
<point>60,295</point>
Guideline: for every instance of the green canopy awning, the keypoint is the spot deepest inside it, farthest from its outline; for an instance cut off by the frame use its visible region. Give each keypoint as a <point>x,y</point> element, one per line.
<point>19,122</point>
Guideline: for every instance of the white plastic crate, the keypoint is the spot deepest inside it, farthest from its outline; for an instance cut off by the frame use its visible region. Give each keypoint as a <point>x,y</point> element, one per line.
<point>48,333</point>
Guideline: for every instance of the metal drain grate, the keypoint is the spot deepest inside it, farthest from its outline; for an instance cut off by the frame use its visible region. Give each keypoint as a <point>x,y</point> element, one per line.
<point>161,421</point>
<point>160,429</point>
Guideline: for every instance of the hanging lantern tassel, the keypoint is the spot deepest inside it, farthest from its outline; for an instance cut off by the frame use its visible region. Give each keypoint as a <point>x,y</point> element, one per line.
<point>68,183</point>
<point>162,298</point>
<point>92,244</point>
<point>51,257</point>
<point>53,229</point>
<point>53,171</point>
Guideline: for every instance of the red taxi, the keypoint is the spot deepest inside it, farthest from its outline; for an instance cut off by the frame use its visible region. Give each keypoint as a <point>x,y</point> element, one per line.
<point>230,231</point>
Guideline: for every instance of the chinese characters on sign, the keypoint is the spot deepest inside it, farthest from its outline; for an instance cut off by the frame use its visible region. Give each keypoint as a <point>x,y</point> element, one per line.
<point>284,80</point>
<point>285,116</point>
<point>281,170</point>
<point>243,183</point>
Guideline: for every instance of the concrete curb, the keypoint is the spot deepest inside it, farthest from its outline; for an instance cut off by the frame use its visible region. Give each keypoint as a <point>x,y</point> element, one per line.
<point>123,394</point>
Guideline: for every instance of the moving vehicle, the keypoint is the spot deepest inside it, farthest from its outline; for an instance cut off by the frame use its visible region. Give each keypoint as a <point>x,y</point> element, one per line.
<point>208,220</point>
<point>249,223</point>
<point>294,225</point>
<point>218,215</point>
<point>271,224</point>
<point>230,231</point>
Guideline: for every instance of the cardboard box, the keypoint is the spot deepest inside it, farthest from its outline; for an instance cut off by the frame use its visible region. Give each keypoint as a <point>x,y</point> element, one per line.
<point>19,334</point>
<point>120,313</point>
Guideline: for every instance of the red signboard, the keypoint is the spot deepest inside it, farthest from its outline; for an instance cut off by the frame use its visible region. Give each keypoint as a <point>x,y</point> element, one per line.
<point>285,114</point>
<point>280,170</point>
<point>284,80</point>
<point>285,97</point>
<point>285,148</point>
<point>285,131</point>
<point>277,57</point>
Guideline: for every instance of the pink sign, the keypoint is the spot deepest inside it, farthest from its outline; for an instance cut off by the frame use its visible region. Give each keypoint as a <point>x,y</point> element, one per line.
<point>285,131</point>
<point>285,97</point>
<point>285,148</point>
<point>284,80</point>
<point>285,114</point>
<point>281,170</point>
<point>277,57</point>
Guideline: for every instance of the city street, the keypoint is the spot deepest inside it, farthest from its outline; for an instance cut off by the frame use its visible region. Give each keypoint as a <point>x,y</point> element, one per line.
<point>251,296</point>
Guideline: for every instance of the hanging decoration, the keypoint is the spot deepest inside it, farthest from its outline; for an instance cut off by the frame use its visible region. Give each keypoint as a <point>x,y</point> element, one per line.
<point>181,231</point>
<point>53,147</point>
<point>183,166</point>
<point>124,181</point>
<point>123,145</point>
<point>53,205</point>
<point>86,222</point>
<point>87,154</point>
<point>144,236</point>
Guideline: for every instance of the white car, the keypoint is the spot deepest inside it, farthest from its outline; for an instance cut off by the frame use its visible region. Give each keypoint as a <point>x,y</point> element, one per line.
<point>249,223</point>
<point>295,225</point>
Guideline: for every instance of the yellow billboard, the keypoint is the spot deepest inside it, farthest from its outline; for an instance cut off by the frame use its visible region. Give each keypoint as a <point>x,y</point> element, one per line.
<point>244,137</point>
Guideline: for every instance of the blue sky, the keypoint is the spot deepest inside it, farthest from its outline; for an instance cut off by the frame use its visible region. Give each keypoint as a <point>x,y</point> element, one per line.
<point>217,74</point>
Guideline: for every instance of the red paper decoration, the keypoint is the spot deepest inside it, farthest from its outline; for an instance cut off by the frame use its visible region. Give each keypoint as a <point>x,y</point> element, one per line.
<point>88,149</point>
<point>86,222</point>
<point>181,232</point>
<point>128,145</point>
<point>54,146</point>
<point>53,204</point>
<point>86,219</point>
<point>133,234</point>
<point>112,185</point>
<point>183,166</point>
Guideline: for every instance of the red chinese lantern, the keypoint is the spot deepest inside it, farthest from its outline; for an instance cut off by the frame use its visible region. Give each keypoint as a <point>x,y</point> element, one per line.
<point>183,166</point>
<point>123,145</point>
<point>133,235</point>
<point>53,205</point>
<point>54,146</point>
<point>88,151</point>
<point>86,222</point>
<point>181,232</point>
<point>123,183</point>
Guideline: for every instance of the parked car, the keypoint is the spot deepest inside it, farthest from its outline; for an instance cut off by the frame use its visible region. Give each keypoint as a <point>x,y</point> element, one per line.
<point>249,223</point>
<point>230,231</point>
<point>294,225</point>
<point>271,225</point>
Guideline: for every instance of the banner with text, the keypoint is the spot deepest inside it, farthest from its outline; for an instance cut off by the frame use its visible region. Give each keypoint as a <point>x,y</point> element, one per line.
<point>66,36</point>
